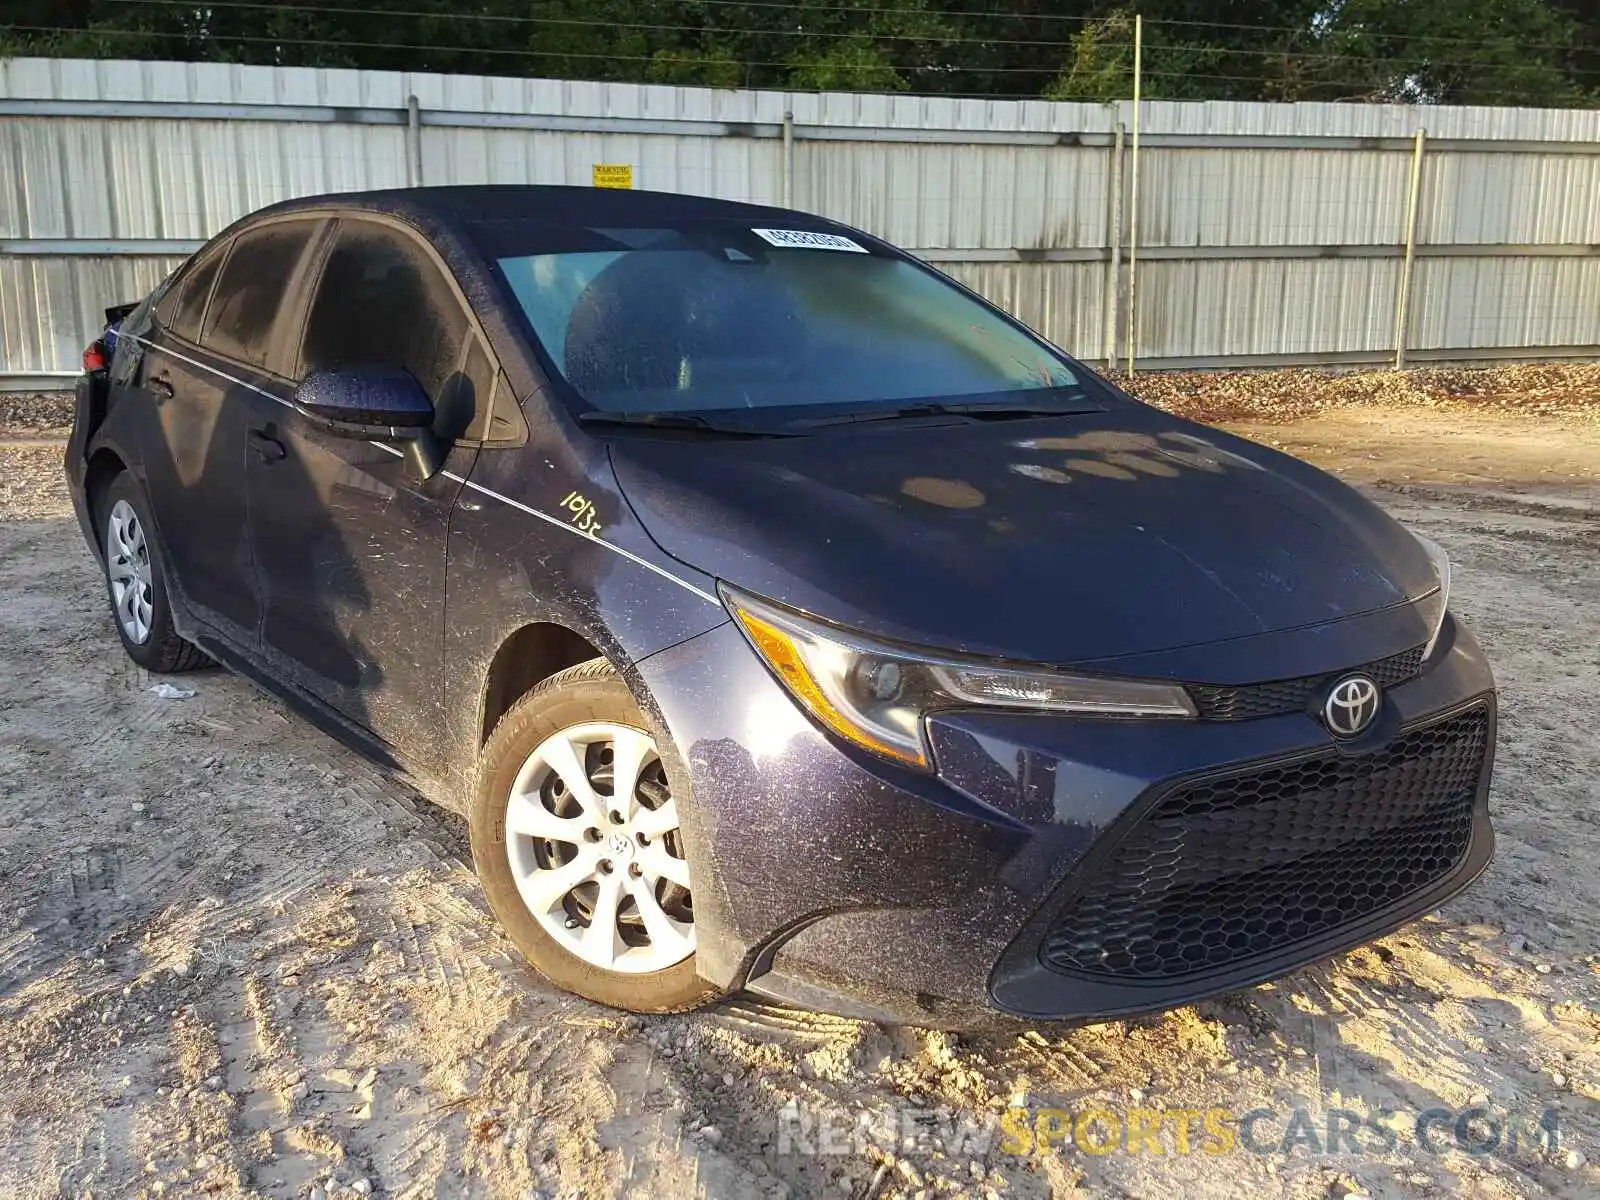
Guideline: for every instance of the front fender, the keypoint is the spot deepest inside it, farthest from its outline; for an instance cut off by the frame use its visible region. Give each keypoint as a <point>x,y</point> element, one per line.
<point>541,534</point>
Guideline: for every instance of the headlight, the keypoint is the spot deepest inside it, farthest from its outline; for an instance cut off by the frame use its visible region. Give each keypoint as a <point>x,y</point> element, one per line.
<point>876,696</point>
<point>1436,602</point>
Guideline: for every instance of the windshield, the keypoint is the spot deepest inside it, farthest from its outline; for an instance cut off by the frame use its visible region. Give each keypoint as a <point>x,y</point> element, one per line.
<point>737,318</point>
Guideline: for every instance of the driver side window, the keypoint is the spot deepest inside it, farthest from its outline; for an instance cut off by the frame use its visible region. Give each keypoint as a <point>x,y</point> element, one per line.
<point>381,301</point>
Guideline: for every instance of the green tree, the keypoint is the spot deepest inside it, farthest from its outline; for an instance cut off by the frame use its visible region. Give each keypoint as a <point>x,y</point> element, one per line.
<point>1101,65</point>
<point>1446,52</point>
<point>855,64</point>
<point>1544,52</point>
<point>703,66</point>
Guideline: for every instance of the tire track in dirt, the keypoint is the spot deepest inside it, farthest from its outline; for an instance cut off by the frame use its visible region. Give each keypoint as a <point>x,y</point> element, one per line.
<point>295,918</point>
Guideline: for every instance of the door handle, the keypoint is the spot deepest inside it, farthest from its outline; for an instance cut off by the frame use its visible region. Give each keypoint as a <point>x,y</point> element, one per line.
<point>266,447</point>
<point>160,387</point>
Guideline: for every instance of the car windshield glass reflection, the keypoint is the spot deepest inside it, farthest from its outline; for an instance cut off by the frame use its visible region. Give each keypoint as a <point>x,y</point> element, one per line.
<point>729,322</point>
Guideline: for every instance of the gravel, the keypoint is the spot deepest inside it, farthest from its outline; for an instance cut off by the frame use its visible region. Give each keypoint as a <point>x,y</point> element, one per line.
<point>31,484</point>
<point>1545,389</point>
<point>35,414</point>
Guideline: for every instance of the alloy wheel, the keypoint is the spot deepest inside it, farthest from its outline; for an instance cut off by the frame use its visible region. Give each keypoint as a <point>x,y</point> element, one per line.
<point>595,850</point>
<point>128,567</point>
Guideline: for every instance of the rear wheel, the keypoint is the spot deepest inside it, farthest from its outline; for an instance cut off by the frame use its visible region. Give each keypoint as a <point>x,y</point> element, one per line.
<point>136,586</point>
<point>575,834</point>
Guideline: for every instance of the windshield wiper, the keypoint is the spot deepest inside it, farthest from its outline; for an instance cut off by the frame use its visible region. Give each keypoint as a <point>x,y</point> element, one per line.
<point>669,420</point>
<point>992,410</point>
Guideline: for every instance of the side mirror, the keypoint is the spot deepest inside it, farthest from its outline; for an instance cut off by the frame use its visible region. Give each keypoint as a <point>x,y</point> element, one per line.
<point>379,404</point>
<point>364,400</point>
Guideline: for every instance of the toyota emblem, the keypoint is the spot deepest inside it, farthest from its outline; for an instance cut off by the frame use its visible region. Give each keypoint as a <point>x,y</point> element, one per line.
<point>1352,706</point>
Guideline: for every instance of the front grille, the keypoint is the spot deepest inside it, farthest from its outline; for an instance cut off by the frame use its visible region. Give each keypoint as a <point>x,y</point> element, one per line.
<point>1227,868</point>
<point>1241,703</point>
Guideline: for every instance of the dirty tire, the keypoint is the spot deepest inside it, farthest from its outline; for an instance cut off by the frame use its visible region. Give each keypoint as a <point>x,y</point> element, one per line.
<point>588,693</point>
<point>161,651</point>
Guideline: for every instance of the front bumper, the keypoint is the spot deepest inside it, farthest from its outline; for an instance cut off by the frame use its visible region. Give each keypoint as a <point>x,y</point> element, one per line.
<point>835,880</point>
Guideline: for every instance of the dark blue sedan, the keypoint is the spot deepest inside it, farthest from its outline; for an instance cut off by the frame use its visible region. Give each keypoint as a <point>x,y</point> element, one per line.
<point>781,614</point>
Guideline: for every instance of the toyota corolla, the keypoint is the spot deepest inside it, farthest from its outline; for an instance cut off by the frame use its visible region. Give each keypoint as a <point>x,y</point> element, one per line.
<point>781,614</point>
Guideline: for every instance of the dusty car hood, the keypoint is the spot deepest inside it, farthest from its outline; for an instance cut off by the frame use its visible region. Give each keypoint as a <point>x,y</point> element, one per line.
<point>1054,540</point>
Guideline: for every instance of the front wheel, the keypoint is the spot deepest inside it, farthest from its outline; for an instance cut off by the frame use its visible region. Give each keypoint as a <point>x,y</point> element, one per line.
<point>576,838</point>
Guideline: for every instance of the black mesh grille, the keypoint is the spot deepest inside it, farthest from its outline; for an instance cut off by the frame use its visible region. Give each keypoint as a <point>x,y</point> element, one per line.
<point>1241,703</point>
<point>1224,869</point>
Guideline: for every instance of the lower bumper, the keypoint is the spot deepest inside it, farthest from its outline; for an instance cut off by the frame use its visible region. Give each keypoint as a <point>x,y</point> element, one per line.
<point>1030,991</point>
<point>1025,985</point>
<point>840,883</point>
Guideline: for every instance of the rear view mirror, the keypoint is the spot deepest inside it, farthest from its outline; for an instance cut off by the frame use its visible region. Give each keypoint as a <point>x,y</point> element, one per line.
<point>365,402</point>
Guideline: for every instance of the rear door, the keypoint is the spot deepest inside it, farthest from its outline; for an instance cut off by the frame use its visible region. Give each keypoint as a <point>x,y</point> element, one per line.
<point>200,369</point>
<point>349,540</point>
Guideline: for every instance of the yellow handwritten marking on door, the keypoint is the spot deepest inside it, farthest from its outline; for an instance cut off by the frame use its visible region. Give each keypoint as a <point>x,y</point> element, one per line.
<point>583,514</point>
<point>613,175</point>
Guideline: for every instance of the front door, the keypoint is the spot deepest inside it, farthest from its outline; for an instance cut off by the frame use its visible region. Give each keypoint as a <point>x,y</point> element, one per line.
<point>349,540</point>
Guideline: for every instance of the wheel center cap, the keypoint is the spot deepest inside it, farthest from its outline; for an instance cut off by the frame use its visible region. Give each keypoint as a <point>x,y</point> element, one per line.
<point>619,845</point>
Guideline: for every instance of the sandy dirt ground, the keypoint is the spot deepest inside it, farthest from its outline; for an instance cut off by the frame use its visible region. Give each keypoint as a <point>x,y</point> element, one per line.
<point>236,960</point>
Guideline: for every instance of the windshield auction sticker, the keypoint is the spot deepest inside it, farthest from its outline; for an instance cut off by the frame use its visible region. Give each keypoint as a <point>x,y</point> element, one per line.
<point>805,239</point>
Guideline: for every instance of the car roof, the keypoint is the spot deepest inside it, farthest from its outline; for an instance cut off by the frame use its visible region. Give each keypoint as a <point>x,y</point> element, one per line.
<point>575,207</point>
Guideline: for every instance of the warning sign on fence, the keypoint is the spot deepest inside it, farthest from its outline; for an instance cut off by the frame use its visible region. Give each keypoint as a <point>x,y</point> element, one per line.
<point>613,175</point>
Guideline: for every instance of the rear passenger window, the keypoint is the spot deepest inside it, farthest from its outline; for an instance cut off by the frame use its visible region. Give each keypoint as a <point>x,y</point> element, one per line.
<point>383,302</point>
<point>192,292</point>
<point>245,305</point>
